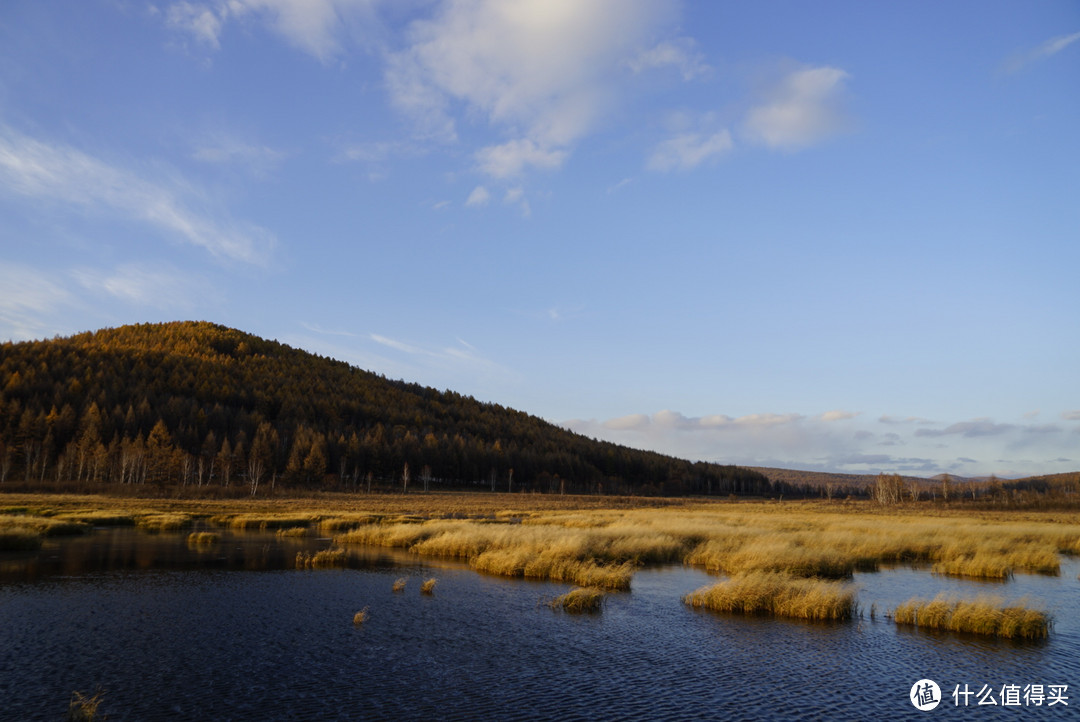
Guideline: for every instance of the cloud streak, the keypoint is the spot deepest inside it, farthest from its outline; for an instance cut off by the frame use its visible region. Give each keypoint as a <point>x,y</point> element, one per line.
<point>1051,47</point>
<point>58,173</point>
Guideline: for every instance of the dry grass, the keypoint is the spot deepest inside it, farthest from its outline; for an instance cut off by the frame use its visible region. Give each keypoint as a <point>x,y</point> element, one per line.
<point>42,526</point>
<point>985,615</point>
<point>202,538</point>
<point>399,584</point>
<point>579,600</point>
<point>778,595</point>
<point>325,559</point>
<point>586,540</point>
<point>170,521</point>
<point>294,531</point>
<point>82,708</point>
<point>428,587</point>
<point>360,617</point>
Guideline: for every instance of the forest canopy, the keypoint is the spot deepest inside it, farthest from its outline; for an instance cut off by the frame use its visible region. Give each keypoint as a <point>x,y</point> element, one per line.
<point>195,403</point>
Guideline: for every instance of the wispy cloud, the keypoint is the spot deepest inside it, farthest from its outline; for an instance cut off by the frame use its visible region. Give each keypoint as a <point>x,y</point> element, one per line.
<point>969,429</point>
<point>689,150</point>
<point>59,173</point>
<point>158,286</point>
<point>1051,47</point>
<point>315,27</point>
<point>804,108</point>
<point>511,158</point>
<point>28,300</point>
<point>679,53</point>
<point>224,149</point>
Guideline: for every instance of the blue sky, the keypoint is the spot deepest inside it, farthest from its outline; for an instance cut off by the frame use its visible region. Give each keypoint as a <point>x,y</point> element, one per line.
<point>831,235</point>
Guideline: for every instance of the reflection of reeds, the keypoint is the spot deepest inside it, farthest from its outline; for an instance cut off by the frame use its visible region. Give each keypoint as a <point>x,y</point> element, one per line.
<point>579,600</point>
<point>779,595</point>
<point>361,616</point>
<point>428,587</point>
<point>985,615</point>
<point>399,584</point>
<point>325,559</point>
<point>202,538</point>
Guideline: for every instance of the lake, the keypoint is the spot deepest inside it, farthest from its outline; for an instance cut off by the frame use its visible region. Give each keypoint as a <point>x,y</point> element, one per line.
<point>234,632</point>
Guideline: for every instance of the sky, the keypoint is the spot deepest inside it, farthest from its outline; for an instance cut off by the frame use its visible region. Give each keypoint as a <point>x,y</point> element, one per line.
<point>839,236</point>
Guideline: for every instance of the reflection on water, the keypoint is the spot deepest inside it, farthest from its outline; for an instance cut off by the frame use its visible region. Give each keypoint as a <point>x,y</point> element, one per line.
<point>178,633</point>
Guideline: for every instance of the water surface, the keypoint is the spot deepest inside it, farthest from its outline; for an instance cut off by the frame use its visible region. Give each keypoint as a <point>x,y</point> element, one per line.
<point>232,632</point>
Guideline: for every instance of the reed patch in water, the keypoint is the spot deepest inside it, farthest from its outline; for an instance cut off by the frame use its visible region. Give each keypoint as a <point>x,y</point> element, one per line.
<point>163,522</point>
<point>82,708</point>
<point>579,600</point>
<point>428,587</point>
<point>19,539</point>
<point>985,615</point>
<point>325,559</point>
<point>360,617</point>
<point>778,595</point>
<point>399,584</point>
<point>293,531</point>
<point>202,538</point>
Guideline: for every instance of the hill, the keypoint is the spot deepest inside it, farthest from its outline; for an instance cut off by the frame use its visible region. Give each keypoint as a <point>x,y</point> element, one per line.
<point>198,404</point>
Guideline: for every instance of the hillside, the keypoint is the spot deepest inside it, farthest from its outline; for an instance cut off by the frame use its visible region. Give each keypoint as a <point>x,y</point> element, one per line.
<point>194,403</point>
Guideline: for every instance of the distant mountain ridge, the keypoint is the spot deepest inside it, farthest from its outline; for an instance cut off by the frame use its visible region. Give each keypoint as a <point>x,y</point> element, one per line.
<point>196,403</point>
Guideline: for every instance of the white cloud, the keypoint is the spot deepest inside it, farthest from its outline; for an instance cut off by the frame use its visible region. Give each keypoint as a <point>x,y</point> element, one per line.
<point>544,71</point>
<point>803,109</point>
<point>1051,47</point>
<point>623,423</point>
<point>312,26</point>
<point>1071,415</point>
<point>478,198</point>
<point>689,150</point>
<point>59,173</point>
<point>511,158</point>
<point>679,53</point>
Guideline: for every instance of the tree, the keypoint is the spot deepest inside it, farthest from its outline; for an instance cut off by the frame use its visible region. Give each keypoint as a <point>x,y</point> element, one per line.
<point>261,456</point>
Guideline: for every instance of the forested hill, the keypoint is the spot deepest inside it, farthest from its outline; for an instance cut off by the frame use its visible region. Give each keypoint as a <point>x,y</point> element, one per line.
<point>193,403</point>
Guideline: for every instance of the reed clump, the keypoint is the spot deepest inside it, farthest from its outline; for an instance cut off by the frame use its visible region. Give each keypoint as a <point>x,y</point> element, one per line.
<point>263,522</point>
<point>985,615</point>
<point>360,617</point>
<point>399,584</point>
<point>293,531</point>
<point>202,538</point>
<point>428,587</point>
<point>43,526</point>
<point>100,517</point>
<point>83,708</point>
<point>580,600</point>
<point>163,522</point>
<point>778,595</point>
<point>325,559</point>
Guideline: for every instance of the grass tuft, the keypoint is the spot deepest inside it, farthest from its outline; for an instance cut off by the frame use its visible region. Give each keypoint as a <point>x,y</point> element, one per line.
<point>778,595</point>
<point>82,708</point>
<point>984,615</point>
<point>360,617</point>
<point>428,587</point>
<point>163,522</point>
<point>325,559</point>
<point>580,600</point>
<point>293,531</point>
<point>202,538</point>
<point>399,584</point>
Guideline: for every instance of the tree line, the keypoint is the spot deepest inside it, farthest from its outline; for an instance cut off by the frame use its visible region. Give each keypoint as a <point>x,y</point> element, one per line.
<point>198,404</point>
